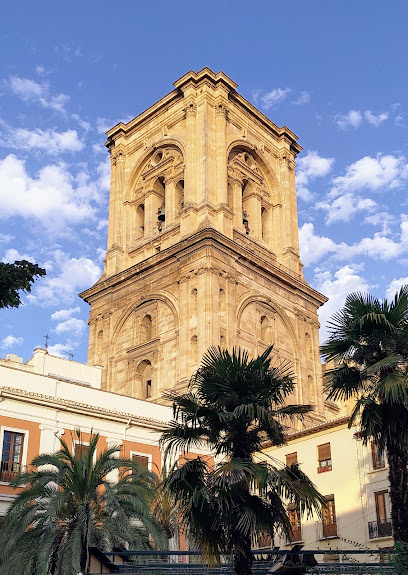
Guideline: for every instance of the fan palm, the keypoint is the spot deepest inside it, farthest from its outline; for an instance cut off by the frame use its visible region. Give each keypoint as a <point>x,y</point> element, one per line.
<point>233,405</point>
<point>368,344</point>
<point>68,505</point>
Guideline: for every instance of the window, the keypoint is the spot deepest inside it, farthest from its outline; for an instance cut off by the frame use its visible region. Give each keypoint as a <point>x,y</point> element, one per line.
<point>11,458</point>
<point>295,523</point>
<point>291,458</point>
<point>80,450</point>
<point>329,522</point>
<point>142,460</point>
<point>324,457</point>
<point>146,328</point>
<point>377,457</point>
<point>148,388</point>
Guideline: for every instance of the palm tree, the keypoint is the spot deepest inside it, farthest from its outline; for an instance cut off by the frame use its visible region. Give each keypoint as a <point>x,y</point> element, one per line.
<point>233,405</point>
<point>368,344</point>
<point>68,505</point>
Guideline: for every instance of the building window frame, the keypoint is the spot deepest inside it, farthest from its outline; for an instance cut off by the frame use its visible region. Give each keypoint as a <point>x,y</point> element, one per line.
<point>324,457</point>
<point>377,461</point>
<point>25,433</point>
<point>149,456</point>
<point>329,518</point>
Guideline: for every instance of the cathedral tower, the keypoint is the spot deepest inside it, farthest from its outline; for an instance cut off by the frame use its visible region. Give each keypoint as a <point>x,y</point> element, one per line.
<point>202,244</point>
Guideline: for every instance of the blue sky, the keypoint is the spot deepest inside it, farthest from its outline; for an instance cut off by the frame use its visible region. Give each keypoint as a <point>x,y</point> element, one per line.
<point>333,72</point>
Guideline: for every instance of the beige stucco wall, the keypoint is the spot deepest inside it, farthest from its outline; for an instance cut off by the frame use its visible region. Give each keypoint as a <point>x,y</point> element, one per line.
<point>352,481</point>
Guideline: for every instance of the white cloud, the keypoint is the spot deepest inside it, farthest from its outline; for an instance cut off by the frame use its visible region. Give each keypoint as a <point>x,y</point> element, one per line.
<point>313,247</point>
<point>50,198</point>
<point>394,286</point>
<point>310,167</point>
<point>352,119</point>
<point>49,141</point>
<point>75,275</point>
<point>379,247</point>
<point>274,97</point>
<point>84,125</point>
<point>61,349</point>
<point>344,207</point>
<point>102,224</point>
<point>375,120</point>
<point>30,91</point>
<point>73,326</point>
<point>12,255</point>
<point>345,280</point>
<point>104,124</point>
<point>304,98</point>
<point>63,314</point>
<point>377,173</point>
<point>10,341</point>
<point>104,172</point>
<point>101,253</point>
<point>5,238</point>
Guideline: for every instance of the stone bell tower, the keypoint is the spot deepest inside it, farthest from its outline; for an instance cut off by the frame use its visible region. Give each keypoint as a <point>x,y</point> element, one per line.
<point>202,244</point>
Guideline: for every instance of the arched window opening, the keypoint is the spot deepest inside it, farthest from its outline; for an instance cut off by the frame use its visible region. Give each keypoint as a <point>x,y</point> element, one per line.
<point>265,329</point>
<point>140,221</point>
<point>246,189</point>
<point>146,328</point>
<point>145,372</point>
<point>179,196</point>
<point>222,301</point>
<point>193,306</point>
<point>309,347</point>
<point>310,389</point>
<point>160,188</point>
<point>194,350</point>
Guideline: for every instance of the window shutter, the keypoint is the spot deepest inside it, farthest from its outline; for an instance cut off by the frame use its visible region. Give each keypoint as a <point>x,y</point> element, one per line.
<point>324,451</point>
<point>291,458</point>
<point>142,460</point>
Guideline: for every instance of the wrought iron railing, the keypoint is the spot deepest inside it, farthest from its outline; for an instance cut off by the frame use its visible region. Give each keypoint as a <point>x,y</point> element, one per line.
<point>264,560</point>
<point>379,528</point>
<point>8,470</point>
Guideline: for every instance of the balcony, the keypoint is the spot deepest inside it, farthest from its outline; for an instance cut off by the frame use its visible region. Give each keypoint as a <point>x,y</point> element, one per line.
<point>379,528</point>
<point>329,530</point>
<point>8,470</point>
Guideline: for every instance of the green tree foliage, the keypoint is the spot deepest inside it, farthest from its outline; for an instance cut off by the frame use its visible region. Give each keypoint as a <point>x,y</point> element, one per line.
<point>68,505</point>
<point>234,405</point>
<point>368,344</point>
<point>16,277</point>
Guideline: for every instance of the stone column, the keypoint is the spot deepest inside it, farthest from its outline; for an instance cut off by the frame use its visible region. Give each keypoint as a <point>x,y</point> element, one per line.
<point>237,202</point>
<point>253,204</point>
<point>221,157</point>
<point>190,159</point>
<point>290,232</point>
<point>116,227</point>
<point>170,202</point>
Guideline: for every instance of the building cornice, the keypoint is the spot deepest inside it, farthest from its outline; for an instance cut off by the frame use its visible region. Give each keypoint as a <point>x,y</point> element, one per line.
<point>77,407</point>
<point>248,252</point>
<point>195,79</point>
<point>325,426</point>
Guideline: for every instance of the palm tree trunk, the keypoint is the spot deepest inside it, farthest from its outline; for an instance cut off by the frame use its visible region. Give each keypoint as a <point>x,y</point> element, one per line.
<point>84,558</point>
<point>398,476</point>
<point>243,556</point>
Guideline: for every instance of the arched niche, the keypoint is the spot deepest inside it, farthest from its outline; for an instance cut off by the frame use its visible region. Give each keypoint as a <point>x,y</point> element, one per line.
<point>144,377</point>
<point>157,184</point>
<point>146,328</point>
<point>259,189</point>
